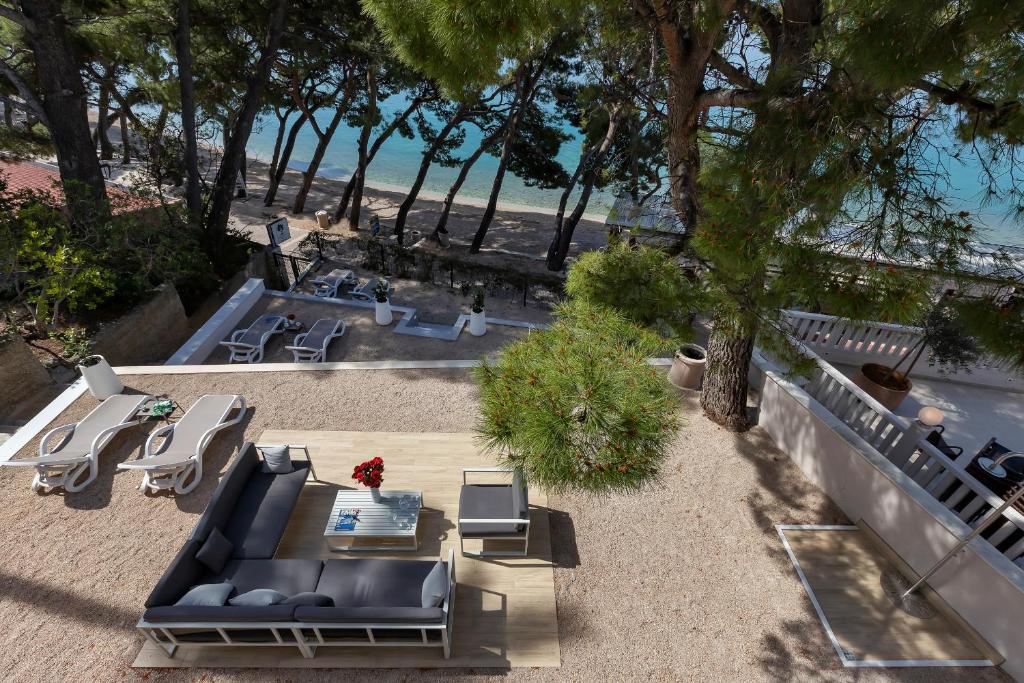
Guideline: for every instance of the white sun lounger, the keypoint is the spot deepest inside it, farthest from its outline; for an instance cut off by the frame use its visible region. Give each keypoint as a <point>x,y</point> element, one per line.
<point>180,455</point>
<point>327,285</point>
<point>311,346</point>
<point>364,292</point>
<point>247,345</point>
<point>80,447</point>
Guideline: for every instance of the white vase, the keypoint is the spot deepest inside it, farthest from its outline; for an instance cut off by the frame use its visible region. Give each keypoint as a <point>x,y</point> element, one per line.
<point>478,323</point>
<point>101,380</point>
<point>375,494</point>
<point>382,312</point>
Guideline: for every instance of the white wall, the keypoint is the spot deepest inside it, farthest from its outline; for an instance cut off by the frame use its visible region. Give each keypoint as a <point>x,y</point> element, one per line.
<point>223,322</point>
<point>982,585</point>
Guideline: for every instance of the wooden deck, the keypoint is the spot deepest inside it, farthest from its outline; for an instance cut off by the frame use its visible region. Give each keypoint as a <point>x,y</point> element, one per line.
<point>504,607</point>
<point>842,568</point>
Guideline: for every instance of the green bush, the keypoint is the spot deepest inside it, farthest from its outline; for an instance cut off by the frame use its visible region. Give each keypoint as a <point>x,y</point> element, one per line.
<point>642,283</point>
<point>577,407</point>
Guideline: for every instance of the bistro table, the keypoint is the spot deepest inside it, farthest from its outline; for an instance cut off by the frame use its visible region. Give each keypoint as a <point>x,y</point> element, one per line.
<point>394,515</point>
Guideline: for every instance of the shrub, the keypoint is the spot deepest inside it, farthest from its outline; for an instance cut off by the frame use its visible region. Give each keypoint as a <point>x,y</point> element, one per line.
<point>643,283</point>
<point>577,407</point>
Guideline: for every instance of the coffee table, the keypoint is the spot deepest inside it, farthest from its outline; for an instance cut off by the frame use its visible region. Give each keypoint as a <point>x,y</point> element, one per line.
<point>394,516</point>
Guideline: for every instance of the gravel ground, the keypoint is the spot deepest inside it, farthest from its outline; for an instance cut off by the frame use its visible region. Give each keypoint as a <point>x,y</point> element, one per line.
<point>687,581</point>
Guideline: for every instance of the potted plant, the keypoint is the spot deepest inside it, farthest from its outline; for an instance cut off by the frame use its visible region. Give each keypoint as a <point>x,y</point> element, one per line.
<point>100,377</point>
<point>371,475</point>
<point>477,316</point>
<point>949,345</point>
<point>382,307</point>
<point>688,366</point>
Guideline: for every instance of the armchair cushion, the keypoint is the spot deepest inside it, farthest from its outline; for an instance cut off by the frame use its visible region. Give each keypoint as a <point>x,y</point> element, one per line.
<point>435,586</point>
<point>488,501</point>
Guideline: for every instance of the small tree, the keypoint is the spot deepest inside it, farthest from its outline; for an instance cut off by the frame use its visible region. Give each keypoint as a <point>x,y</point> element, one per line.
<point>577,407</point>
<point>641,283</point>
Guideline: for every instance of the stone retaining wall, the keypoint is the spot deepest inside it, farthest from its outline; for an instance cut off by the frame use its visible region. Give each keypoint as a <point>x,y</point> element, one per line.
<point>21,375</point>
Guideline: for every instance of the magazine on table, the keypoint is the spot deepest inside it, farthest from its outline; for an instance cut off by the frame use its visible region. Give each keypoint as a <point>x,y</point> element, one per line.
<point>347,519</point>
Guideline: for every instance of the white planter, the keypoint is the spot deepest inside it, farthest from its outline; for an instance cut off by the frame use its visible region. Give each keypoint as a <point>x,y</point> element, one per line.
<point>101,380</point>
<point>382,312</point>
<point>478,323</point>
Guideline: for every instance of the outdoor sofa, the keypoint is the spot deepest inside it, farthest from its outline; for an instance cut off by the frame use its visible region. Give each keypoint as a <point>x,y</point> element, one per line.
<point>343,602</point>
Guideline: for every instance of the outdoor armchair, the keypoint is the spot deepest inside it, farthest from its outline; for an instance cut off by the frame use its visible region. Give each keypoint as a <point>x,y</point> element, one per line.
<point>494,512</point>
<point>179,455</point>
<point>63,463</point>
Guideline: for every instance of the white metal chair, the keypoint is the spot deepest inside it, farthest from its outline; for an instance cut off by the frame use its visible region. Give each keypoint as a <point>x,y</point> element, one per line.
<point>311,346</point>
<point>494,512</point>
<point>247,345</point>
<point>63,464</point>
<point>180,455</point>
<point>326,286</point>
<point>366,291</point>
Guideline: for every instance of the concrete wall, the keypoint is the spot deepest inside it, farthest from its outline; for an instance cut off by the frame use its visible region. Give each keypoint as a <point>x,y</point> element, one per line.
<point>21,375</point>
<point>982,585</point>
<point>149,333</point>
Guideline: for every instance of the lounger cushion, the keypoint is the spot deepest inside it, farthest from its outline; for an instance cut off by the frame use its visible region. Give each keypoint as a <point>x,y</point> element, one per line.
<point>216,551</point>
<point>261,597</point>
<point>276,460</point>
<point>309,600</point>
<point>375,582</point>
<point>206,595</point>
<point>262,511</point>
<point>435,587</point>
<point>488,501</point>
<point>285,576</point>
<point>222,503</point>
<point>215,614</point>
<point>370,615</point>
<point>184,572</point>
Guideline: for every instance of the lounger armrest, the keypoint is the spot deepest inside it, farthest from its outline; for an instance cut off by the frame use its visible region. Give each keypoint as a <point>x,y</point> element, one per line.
<point>43,450</point>
<point>204,441</point>
<point>97,443</point>
<point>302,348</point>
<point>237,345</point>
<point>147,451</point>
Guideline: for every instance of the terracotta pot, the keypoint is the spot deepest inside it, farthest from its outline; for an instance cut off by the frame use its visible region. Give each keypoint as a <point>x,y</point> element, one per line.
<point>868,378</point>
<point>688,366</point>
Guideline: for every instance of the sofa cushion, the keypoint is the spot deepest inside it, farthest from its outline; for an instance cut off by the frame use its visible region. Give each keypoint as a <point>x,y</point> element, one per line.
<point>310,600</point>
<point>435,587</point>
<point>260,597</point>
<point>262,510</point>
<point>206,595</point>
<point>214,614</point>
<point>284,576</point>
<point>370,615</point>
<point>488,501</point>
<point>183,573</point>
<point>215,551</point>
<point>374,583</point>
<point>222,503</point>
<point>276,460</point>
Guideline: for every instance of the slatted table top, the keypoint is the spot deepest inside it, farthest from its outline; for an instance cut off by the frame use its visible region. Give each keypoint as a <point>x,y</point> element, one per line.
<point>396,514</point>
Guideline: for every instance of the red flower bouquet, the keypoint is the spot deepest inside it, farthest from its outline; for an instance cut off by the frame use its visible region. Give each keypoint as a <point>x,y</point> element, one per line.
<point>370,473</point>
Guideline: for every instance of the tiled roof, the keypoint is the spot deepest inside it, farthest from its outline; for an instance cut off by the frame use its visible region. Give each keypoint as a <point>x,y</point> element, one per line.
<point>32,175</point>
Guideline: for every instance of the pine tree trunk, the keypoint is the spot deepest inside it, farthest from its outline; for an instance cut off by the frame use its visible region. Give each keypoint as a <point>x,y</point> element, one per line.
<point>421,174</point>
<point>724,394</point>
<point>103,124</point>
<point>65,105</point>
<point>318,156</point>
<point>8,112</point>
<point>126,139</point>
<point>222,192</point>
<point>282,129</point>
<point>282,163</point>
<point>449,199</point>
<point>183,51</point>
<point>364,139</point>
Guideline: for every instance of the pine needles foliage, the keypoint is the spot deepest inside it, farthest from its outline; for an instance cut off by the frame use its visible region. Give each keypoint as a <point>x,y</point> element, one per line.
<point>577,407</point>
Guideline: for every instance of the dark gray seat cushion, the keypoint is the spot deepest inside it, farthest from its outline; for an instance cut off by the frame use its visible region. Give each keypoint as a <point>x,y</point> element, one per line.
<point>370,615</point>
<point>214,614</point>
<point>374,583</point>
<point>309,600</point>
<point>289,577</point>
<point>184,572</point>
<point>222,503</point>
<point>262,510</point>
<point>489,501</point>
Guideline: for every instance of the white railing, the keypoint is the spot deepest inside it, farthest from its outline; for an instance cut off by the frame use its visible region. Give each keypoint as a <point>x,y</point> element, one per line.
<point>936,474</point>
<point>860,342</point>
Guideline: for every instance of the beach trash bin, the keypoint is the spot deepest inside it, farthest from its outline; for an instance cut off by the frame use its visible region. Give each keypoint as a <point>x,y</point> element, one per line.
<point>321,219</point>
